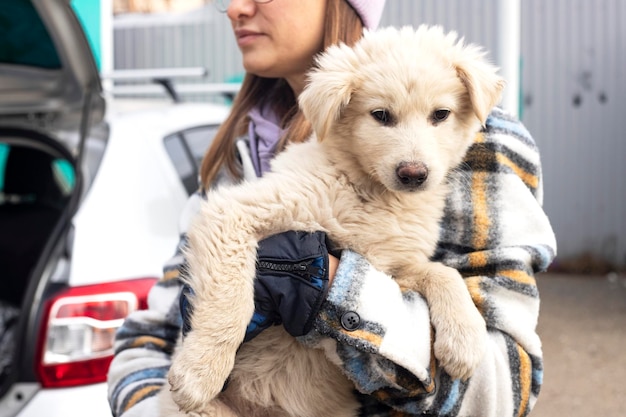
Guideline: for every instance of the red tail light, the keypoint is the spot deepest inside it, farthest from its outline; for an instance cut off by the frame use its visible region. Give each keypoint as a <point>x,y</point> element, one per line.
<point>78,330</point>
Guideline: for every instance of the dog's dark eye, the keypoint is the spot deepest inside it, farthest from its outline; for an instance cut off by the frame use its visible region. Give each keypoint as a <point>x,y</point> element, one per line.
<point>382,116</point>
<point>440,115</point>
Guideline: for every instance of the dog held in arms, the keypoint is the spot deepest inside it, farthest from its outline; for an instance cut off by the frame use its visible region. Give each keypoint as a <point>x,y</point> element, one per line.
<point>393,116</point>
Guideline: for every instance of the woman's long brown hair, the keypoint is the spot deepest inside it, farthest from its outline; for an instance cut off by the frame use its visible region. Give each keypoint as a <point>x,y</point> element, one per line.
<point>342,24</point>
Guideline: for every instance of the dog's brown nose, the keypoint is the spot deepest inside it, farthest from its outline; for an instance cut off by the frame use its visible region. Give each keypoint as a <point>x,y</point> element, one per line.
<point>412,174</point>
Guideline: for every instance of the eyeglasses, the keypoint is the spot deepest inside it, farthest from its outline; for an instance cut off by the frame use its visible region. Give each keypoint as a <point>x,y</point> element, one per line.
<point>222,5</point>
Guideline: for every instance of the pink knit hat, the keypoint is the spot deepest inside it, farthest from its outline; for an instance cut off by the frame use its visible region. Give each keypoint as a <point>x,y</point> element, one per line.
<point>369,11</point>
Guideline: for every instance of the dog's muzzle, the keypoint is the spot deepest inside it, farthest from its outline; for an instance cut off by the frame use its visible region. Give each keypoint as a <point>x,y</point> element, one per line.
<point>412,174</point>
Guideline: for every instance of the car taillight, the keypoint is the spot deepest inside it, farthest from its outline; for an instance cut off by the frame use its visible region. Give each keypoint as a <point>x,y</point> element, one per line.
<point>79,325</point>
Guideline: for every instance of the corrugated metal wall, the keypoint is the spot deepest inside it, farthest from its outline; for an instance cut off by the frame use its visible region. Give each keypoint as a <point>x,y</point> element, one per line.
<point>574,89</point>
<point>198,39</point>
<point>204,38</point>
<point>573,93</point>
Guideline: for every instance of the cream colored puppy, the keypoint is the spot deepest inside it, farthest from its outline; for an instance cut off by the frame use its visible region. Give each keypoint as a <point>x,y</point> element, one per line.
<point>392,116</point>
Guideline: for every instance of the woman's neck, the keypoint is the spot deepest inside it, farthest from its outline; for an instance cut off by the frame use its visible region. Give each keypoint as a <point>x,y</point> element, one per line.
<point>296,82</point>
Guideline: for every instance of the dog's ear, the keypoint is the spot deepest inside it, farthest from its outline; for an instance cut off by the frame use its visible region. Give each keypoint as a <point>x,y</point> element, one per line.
<point>329,89</point>
<point>481,80</point>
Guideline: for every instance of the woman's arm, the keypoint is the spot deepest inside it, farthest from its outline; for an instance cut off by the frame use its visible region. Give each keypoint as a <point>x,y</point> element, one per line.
<point>496,234</point>
<point>146,341</point>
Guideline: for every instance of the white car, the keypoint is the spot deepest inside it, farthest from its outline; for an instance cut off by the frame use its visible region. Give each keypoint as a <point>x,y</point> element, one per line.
<point>89,208</point>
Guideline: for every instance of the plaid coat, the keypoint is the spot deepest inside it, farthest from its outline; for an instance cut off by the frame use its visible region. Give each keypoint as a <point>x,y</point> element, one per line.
<point>494,232</point>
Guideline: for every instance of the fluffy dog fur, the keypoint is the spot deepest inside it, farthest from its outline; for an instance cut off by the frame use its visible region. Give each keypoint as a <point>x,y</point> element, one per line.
<point>392,116</point>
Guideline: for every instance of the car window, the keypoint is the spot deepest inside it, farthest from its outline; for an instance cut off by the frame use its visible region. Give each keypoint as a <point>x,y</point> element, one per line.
<point>29,175</point>
<point>4,155</point>
<point>24,39</point>
<point>199,140</point>
<point>186,150</point>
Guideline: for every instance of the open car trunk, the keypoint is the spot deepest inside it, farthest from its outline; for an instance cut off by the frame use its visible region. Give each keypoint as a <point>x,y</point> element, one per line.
<point>39,191</point>
<point>49,83</point>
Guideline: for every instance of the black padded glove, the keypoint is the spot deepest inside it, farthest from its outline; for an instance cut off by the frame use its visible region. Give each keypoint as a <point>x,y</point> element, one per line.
<point>291,282</point>
<point>290,285</point>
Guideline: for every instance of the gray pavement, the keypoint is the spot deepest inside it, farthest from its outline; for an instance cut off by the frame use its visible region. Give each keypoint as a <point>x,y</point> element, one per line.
<point>582,324</point>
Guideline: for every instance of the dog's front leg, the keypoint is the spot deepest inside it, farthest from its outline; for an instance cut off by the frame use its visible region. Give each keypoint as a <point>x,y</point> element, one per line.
<point>221,260</point>
<point>460,330</point>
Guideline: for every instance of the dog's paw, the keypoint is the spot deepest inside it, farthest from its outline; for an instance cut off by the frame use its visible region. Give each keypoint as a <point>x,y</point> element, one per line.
<point>460,347</point>
<point>198,373</point>
<point>187,389</point>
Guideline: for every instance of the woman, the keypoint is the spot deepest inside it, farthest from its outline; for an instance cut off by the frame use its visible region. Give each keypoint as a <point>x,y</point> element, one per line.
<point>494,232</point>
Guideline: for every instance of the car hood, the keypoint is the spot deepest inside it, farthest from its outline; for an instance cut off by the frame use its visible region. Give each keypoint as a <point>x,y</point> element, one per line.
<point>48,77</point>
